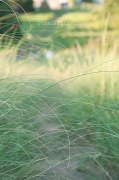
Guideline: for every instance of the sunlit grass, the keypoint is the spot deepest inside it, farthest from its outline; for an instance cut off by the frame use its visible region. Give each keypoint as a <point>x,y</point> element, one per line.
<point>66,103</point>
<point>59,115</point>
<point>63,34</point>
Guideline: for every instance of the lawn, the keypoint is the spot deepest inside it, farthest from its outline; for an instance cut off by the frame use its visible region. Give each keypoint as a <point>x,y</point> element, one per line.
<point>64,28</point>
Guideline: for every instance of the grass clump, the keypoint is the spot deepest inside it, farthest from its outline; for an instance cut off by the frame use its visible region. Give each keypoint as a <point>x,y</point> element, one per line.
<point>49,123</point>
<point>59,115</point>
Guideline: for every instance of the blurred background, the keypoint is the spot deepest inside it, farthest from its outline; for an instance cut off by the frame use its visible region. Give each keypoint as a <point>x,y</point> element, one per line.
<point>59,100</point>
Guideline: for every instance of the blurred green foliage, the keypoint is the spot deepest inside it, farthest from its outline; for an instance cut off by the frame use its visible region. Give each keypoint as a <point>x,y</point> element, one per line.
<point>27,5</point>
<point>89,1</point>
<point>112,6</point>
<point>9,23</point>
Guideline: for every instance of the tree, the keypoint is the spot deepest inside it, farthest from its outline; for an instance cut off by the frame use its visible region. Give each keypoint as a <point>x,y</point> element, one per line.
<point>9,23</point>
<point>44,5</point>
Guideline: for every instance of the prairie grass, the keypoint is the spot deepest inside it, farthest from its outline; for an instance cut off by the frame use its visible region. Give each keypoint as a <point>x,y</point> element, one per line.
<point>60,112</point>
<point>59,115</point>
